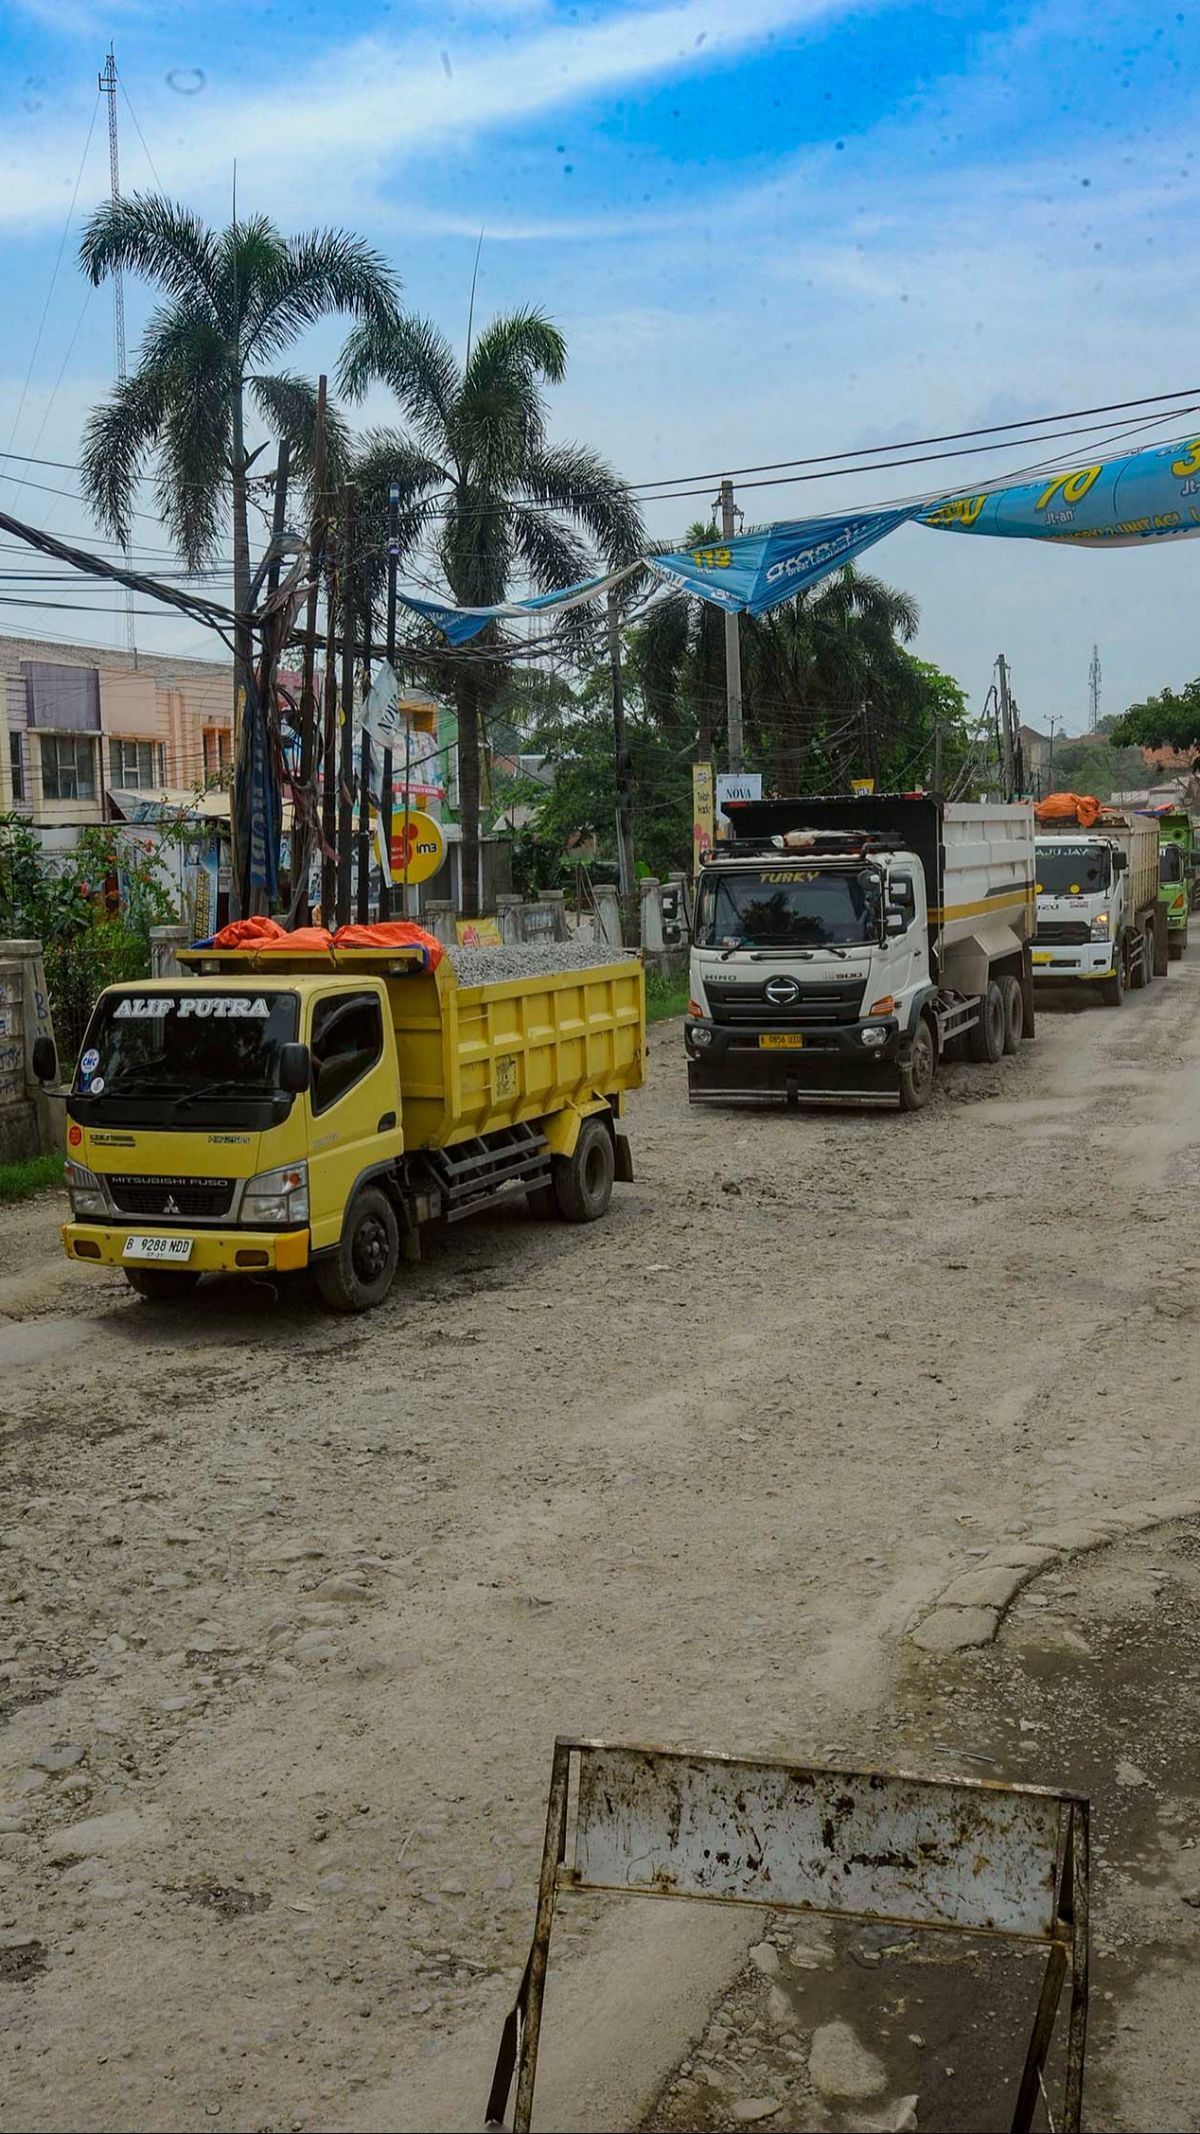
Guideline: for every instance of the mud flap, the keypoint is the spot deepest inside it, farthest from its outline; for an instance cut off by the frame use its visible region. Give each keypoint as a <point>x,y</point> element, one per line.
<point>624,1160</point>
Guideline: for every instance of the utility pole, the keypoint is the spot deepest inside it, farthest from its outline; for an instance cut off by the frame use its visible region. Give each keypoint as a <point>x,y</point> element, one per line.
<point>733,649</point>
<point>107,84</point>
<point>1007,750</point>
<point>304,839</point>
<point>345,754</point>
<point>329,739</point>
<point>626,874</point>
<point>363,911</point>
<point>385,787</point>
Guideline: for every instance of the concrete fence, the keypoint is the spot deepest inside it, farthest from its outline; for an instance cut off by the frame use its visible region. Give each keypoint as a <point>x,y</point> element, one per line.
<point>31,1118</point>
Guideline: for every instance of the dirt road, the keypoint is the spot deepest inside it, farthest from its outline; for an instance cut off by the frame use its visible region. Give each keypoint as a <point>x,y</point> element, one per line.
<point>293,1607</point>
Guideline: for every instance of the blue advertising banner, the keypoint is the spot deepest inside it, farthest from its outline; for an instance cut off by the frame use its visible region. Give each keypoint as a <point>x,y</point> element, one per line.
<point>1117,503</point>
<point>460,625</point>
<point>752,573</point>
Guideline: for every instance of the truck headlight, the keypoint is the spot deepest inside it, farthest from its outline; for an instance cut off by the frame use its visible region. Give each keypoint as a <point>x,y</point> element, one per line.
<point>277,1196</point>
<point>701,1035</point>
<point>1100,926</point>
<point>84,1190</point>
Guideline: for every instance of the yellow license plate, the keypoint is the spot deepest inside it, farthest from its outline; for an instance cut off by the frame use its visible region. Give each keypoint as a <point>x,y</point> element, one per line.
<point>781,1041</point>
<point>1042,955</point>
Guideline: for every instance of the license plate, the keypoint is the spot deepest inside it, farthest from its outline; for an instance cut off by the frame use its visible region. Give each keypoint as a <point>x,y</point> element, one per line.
<point>781,1041</point>
<point>1042,955</point>
<point>175,1249</point>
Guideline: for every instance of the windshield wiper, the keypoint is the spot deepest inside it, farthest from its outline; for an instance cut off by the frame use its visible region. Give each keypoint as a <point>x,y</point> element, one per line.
<point>227,1087</point>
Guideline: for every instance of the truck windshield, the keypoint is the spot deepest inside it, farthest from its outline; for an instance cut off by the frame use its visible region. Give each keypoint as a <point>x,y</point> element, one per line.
<point>789,907</point>
<point>1171,866</point>
<point>191,1057</point>
<point>1072,870</point>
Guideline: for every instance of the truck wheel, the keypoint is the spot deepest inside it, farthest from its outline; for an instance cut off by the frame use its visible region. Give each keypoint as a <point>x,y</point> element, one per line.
<point>1014,1013</point>
<point>1112,990</point>
<point>161,1285</point>
<point>919,1071</point>
<point>987,1035</point>
<point>359,1274</point>
<point>583,1182</point>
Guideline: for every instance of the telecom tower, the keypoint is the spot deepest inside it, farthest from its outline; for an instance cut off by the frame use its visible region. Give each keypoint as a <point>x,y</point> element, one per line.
<point>1094,687</point>
<point>107,83</point>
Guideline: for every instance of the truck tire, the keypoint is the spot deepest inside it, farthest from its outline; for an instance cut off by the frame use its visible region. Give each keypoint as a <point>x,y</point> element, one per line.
<point>986,1037</point>
<point>161,1285</point>
<point>583,1182</point>
<point>1177,944</point>
<point>1112,990</point>
<point>1014,1013</point>
<point>918,1072</point>
<point>359,1273</point>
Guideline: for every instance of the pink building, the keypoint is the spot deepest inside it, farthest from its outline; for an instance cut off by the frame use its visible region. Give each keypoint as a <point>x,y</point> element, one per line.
<point>83,725</point>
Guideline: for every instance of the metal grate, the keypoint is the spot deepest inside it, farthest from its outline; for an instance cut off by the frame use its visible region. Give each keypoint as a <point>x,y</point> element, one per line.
<point>184,1199</point>
<point>1063,932</point>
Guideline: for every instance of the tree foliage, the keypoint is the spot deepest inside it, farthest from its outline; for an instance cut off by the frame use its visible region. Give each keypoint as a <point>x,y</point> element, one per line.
<point>91,935</point>
<point>1169,720</point>
<point>483,492</point>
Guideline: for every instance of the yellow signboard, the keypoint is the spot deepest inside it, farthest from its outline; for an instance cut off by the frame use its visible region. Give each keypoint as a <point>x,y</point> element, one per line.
<point>418,847</point>
<point>478,933</point>
<point>703,804</point>
<point>862,785</point>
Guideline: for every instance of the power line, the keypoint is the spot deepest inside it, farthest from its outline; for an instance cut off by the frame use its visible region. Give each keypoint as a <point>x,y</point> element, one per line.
<point>911,444</point>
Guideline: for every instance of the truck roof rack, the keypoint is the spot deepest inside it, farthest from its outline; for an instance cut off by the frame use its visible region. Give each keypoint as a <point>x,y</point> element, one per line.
<point>819,844</point>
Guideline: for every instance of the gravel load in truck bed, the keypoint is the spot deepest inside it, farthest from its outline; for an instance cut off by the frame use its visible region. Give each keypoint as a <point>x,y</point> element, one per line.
<point>496,966</point>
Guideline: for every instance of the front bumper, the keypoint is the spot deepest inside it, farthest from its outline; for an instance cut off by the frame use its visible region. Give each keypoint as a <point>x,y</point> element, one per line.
<point>1074,959</point>
<point>830,1056</point>
<point>213,1251</point>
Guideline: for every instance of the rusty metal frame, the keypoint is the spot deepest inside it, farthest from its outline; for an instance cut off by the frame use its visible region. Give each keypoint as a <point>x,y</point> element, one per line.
<point>1051,1909</point>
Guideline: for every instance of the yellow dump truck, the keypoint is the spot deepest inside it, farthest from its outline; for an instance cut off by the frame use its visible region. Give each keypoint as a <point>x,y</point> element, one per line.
<point>276,1109</point>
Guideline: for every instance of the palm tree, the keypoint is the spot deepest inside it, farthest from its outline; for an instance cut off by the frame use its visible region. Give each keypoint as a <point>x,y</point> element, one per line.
<point>828,660</point>
<point>678,657</point>
<point>235,300</point>
<point>483,491</point>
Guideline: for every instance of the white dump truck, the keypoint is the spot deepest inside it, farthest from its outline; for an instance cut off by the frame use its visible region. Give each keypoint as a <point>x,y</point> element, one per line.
<point>1099,916</point>
<point>843,947</point>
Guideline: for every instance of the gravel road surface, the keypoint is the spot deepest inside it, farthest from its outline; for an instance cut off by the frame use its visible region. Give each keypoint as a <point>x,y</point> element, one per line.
<point>292,1608</point>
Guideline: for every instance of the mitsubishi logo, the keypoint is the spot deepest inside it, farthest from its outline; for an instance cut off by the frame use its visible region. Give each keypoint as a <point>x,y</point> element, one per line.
<point>782,992</point>
<point>169,1205</point>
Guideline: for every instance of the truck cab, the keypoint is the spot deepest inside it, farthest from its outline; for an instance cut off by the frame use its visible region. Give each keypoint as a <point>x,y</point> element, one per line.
<point>246,1111</point>
<point>1080,904</point>
<point>822,950</point>
<point>1175,878</point>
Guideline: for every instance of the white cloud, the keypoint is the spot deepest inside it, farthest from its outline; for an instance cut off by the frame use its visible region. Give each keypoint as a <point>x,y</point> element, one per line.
<point>378,104</point>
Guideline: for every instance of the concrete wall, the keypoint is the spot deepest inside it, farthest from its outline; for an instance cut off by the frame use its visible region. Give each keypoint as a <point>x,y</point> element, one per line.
<point>31,1119</point>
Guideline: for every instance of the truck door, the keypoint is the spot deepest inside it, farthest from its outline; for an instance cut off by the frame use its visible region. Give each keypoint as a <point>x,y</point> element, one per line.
<point>352,1103</point>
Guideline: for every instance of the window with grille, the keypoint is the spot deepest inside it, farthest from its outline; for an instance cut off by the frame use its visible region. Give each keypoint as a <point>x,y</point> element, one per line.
<point>217,755</point>
<point>137,765</point>
<point>68,767</point>
<point>16,762</point>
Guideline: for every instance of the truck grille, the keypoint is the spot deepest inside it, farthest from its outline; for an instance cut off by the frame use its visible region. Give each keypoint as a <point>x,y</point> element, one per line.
<point>178,1199</point>
<point>747,1005</point>
<point>1061,932</point>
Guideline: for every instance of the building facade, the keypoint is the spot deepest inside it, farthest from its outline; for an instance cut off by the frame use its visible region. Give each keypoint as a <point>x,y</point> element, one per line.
<point>85,725</point>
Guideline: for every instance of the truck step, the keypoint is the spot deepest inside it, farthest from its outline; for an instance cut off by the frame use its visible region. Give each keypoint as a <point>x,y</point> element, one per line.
<point>470,1172</point>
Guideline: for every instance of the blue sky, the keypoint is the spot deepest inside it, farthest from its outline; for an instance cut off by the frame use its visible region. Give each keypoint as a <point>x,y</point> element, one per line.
<point>768,228</point>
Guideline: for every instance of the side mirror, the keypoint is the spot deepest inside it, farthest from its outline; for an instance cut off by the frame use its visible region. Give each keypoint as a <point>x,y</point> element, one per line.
<point>45,1059</point>
<point>1120,862</point>
<point>295,1068</point>
<point>895,922</point>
